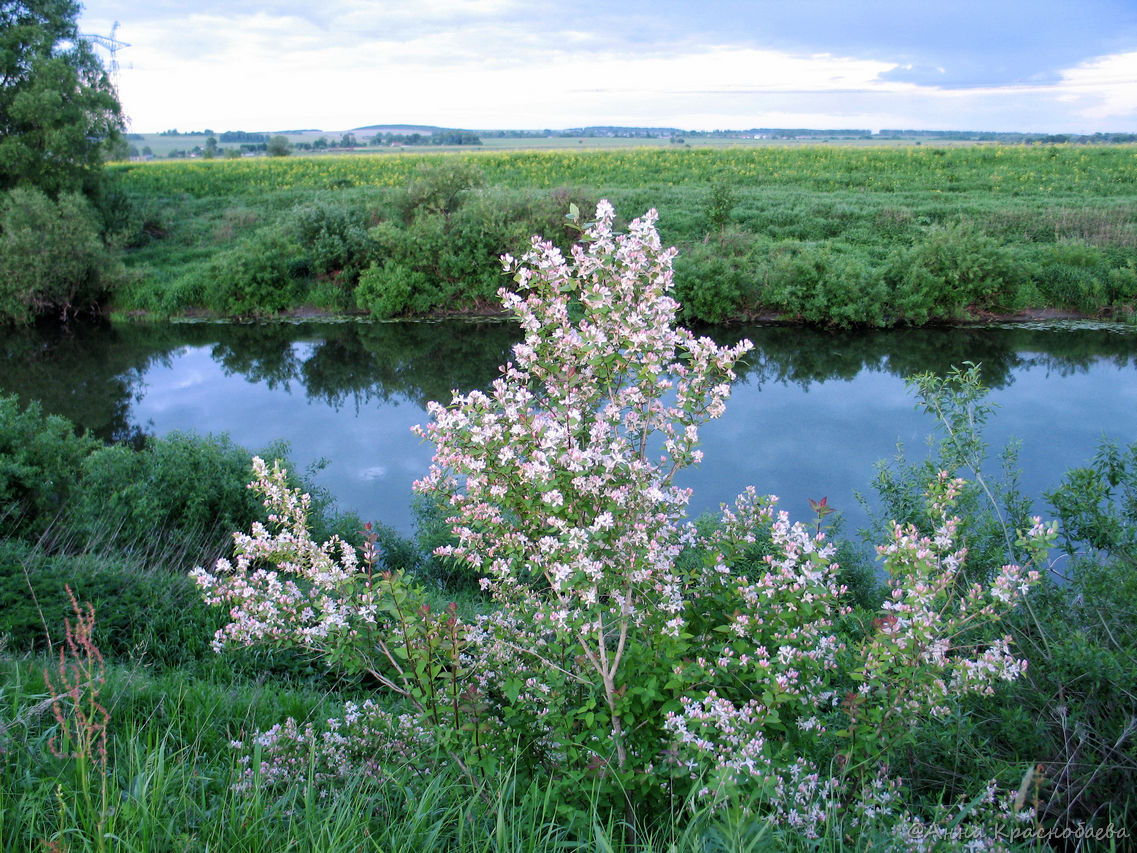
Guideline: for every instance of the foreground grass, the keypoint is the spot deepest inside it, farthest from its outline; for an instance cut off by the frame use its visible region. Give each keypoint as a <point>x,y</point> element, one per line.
<point>165,786</point>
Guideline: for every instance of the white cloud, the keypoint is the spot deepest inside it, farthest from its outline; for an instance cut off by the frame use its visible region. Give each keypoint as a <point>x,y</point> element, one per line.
<point>1104,88</point>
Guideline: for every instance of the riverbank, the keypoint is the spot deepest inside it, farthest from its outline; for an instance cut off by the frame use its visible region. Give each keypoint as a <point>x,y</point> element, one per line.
<point>828,236</point>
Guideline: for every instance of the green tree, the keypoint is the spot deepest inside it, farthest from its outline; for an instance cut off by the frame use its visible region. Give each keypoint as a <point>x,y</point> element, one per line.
<point>279,146</point>
<point>57,105</point>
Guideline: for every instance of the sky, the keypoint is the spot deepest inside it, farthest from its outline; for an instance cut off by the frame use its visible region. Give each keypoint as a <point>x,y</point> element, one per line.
<point>1050,66</point>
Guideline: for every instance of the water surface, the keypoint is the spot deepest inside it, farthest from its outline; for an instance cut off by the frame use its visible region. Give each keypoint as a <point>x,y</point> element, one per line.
<point>812,414</point>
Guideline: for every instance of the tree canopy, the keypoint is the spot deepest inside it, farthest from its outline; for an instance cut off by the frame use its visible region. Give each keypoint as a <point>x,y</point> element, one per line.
<point>57,104</point>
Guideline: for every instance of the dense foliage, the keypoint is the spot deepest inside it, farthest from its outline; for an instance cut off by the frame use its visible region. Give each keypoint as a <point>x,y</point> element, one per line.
<point>52,257</point>
<point>58,114</point>
<point>57,105</point>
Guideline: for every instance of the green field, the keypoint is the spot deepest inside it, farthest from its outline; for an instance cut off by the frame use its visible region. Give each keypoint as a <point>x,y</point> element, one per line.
<point>826,234</point>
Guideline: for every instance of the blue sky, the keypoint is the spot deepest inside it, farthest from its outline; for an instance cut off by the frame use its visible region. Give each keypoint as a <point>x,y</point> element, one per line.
<point>1042,65</point>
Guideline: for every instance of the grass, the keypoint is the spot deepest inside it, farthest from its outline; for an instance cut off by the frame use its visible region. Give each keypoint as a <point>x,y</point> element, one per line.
<point>168,772</point>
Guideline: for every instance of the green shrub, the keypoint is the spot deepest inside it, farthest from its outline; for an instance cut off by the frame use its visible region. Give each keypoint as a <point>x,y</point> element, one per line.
<point>180,486</point>
<point>385,291</point>
<point>1121,284</point>
<point>129,220</point>
<point>953,268</point>
<point>253,278</point>
<point>716,281</point>
<point>333,239</point>
<point>40,456</point>
<point>720,202</point>
<point>819,284</point>
<point>440,187</point>
<point>1073,275</point>
<point>52,259</point>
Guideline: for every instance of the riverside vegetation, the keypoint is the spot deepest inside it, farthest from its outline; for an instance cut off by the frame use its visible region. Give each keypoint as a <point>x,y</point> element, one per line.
<point>872,236</point>
<point>618,679</point>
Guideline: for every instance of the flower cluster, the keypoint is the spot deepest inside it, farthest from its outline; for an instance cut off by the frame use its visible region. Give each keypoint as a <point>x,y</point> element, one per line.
<point>283,587</point>
<point>366,742</point>
<point>559,481</point>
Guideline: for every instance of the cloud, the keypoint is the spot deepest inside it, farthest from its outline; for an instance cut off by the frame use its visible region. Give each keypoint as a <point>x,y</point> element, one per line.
<point>1103,89</point>
<point>537,63</point>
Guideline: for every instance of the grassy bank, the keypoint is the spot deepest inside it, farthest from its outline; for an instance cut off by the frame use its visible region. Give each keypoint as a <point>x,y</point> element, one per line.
<point>828,235</point>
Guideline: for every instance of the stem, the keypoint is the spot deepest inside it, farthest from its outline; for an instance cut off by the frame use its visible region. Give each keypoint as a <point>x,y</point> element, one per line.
<point>974,468</point>
<point>600,664</point>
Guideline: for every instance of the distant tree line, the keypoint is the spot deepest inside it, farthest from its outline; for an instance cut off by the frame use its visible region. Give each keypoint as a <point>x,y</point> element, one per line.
<point>443,137</point>
<point>1011,137</point>
<point>243,136</point>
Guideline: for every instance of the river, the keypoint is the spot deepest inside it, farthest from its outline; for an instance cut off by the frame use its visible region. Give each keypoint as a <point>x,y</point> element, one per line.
<point>811,416</point>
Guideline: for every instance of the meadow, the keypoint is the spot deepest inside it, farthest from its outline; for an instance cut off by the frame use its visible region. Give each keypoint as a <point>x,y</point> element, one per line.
<point>827,234</point>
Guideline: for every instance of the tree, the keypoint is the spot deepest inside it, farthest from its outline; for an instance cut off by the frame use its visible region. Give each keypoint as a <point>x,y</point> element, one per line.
<point>279,146</point>
<point>58,107</point>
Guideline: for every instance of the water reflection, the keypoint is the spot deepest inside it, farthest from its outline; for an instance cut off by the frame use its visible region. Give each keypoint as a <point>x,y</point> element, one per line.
<point>812,412</point>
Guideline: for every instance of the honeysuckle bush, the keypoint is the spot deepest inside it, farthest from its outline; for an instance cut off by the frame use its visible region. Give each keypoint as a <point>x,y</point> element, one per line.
<point>603,661</point>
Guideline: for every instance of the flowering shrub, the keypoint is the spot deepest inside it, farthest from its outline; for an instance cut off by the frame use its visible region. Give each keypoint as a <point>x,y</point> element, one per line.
<point>605,662</point>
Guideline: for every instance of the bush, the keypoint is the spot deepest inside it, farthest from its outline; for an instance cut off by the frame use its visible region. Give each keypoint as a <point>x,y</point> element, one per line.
<point>254,277</point>
<point>717,280</point>
<point>441,187</point>
<point>40,457</point>
<point>951,269</point>
<point>184,487</point>
<point>821,285</point>
<point>333,239</point>
<point>721,200</point>
<point>52,259</point>
<point>1072,275</point>
<point>386,291</point>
